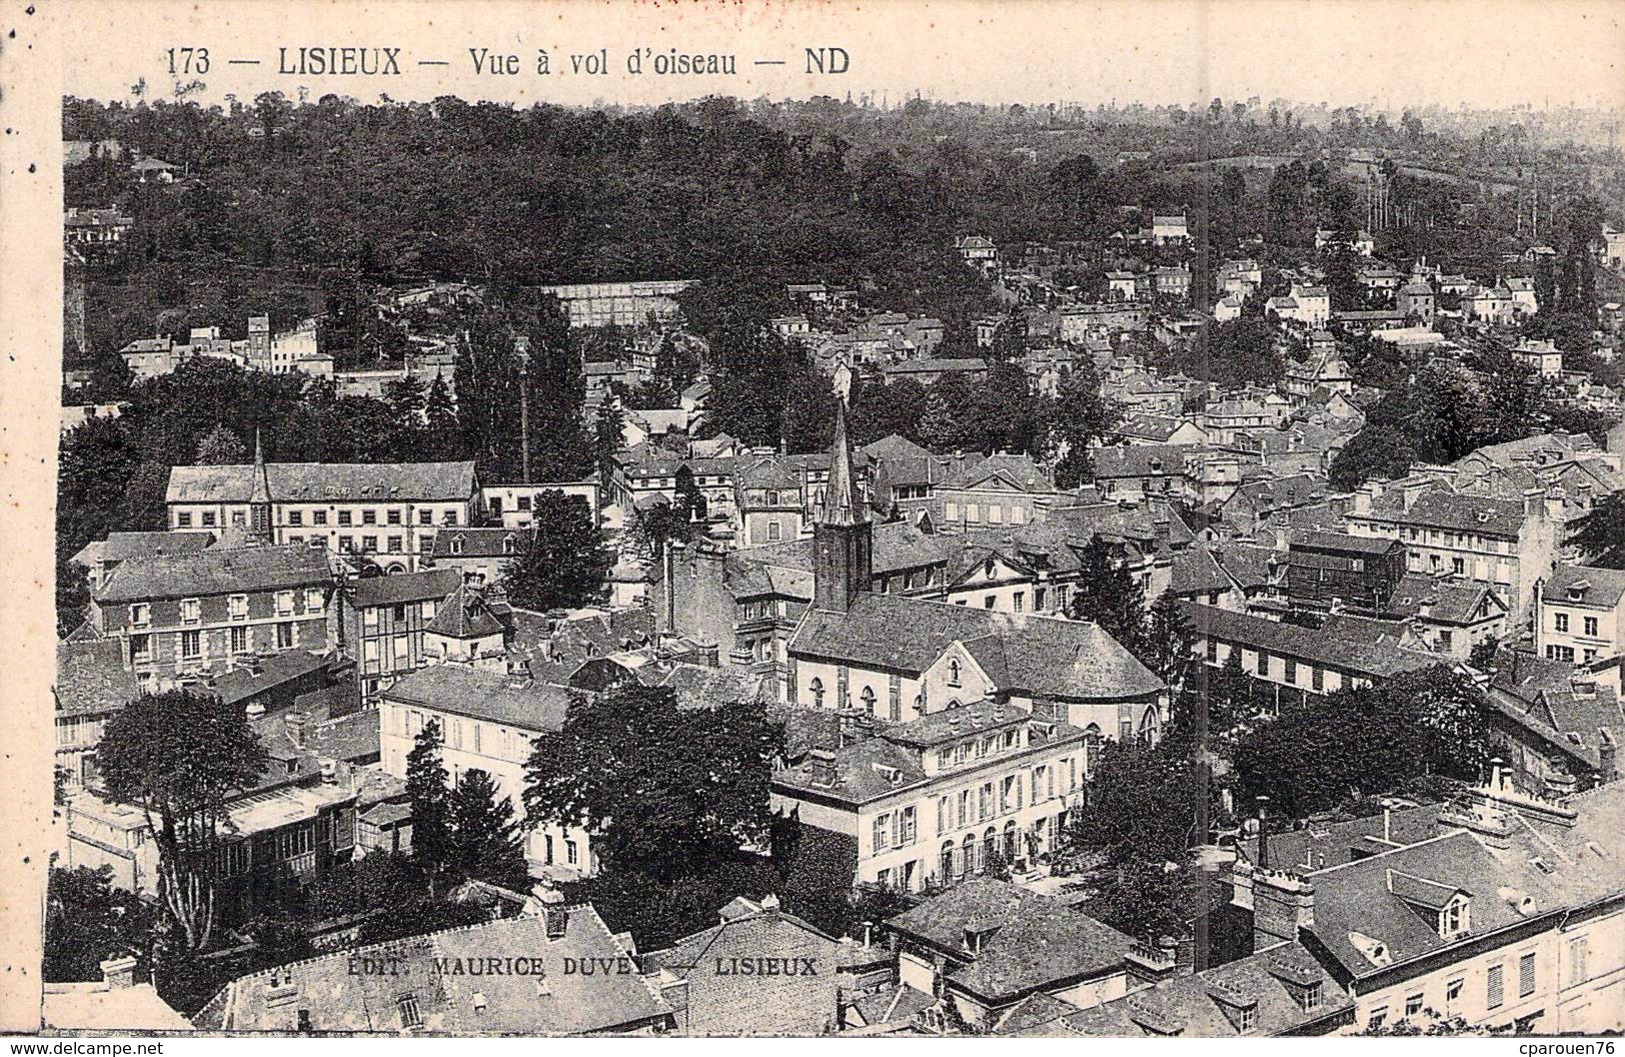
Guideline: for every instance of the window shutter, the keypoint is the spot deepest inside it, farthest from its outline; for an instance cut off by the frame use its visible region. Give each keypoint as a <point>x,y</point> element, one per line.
<point>1526,975</point>
<point>1494,988</point>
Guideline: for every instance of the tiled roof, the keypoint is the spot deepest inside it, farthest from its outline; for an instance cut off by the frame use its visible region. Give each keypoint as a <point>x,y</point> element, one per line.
<point>1442,508</point>
<point>1590,585</point>
<point>1197,572</point>
<point>1448,601</point>
<point>866,769</point>
<point>555,1001</point>
<point>1139,460</point>
<point>313,482</point>
<point>217,572</point>
<point>420,586</point>
<point>800,1000</point>
<point>1268,983</point>
<point>1343,542</point>
<point>537,707</point>
<point>91,678</point>
<point>480,543</point>
<point>1036,941</point>
<point>122,546</point>
<point>465,615</point>
<point>239,684</point>
<point>1291,640</point>
<point>1322,844</point>
<point>1067,659</point>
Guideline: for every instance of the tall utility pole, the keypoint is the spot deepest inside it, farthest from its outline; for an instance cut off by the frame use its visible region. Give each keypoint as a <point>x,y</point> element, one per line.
<point>521,346</point>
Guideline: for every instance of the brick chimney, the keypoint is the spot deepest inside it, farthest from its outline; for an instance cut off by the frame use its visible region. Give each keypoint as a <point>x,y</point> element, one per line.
<point>1607,764</point>
<point>1283,903</point>
<point>823,768</point>
<point>294,724</point>
<point>119,972</point>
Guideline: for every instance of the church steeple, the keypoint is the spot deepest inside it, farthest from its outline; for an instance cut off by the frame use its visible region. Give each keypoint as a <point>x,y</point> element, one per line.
<point>842,539</point>
<point>259,498</point>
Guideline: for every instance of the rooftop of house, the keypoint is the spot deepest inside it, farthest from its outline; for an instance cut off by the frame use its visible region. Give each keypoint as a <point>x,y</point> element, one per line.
<point>465,614</point>
<point>1585,585</point>
<point>421,586</point>
<point>934,365</point>
<point>265,673</point>
<point>1010,941</point>
<point>217,571</point>
<point>121,546</point>
<point>721,1002</point>
<point>1444,601</point>
<point>314,482</point>
<point>1343,543</point>
<point>103,1007</point>
<point>1272,985</point>
<point>1049,656</point>
<point>480,543</point>
<point>91,678</point>
<point>1439,507</point>
<point>1139,460</point>
<point>1373,660</point>
<point>439,998</point>
<point>498,698</point>
<point>1317,845</point>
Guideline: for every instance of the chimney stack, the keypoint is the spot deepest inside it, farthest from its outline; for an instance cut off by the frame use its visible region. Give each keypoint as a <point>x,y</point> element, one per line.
<point>294,724</point>
<point>119,973</point>
<point>555,919</point>
<point>1283,903</point>
<point>823,768</point>
<point>1263,833</point>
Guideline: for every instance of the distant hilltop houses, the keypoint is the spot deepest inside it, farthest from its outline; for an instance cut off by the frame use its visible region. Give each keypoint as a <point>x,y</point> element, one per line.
<point>290,350</point>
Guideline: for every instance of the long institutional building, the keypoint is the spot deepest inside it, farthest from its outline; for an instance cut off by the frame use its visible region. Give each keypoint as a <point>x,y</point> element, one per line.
<point>387,512</point>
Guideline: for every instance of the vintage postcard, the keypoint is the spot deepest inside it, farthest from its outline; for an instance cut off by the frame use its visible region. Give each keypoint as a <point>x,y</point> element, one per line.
<point>1082,519</point>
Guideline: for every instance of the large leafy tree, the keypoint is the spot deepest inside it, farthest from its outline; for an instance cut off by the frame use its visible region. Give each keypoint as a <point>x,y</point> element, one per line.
<point>180,757</point>
<point>567,564</point>
<point>1083,416</point>
<point>1415,728</point>
<point>88,920</point>
<point>659,812</point>
<point>1600,532</point>
<point>487,841</point>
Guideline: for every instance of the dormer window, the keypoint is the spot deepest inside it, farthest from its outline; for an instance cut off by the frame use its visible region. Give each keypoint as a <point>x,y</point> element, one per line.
<point>1454,918</point>
<point>457,544</point>
<point>1310,998</point>
<point>507,545</point>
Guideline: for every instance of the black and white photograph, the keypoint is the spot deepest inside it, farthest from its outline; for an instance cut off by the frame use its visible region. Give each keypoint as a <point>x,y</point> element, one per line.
<point>1076,520</point>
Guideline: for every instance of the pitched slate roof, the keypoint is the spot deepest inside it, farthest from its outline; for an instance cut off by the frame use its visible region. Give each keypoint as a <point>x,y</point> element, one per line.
<point>1018,470</point>
<point>121,546</point>
<point>314,482</point>
<point>538,707</point>
<point>1375,660</point>
<point>800,1000</point>
<point>481,542</point>
<point>217,572</point>
<point>1593,586</point>
<point>91,678</point>
<point>1448,601</point>
<point>338,999</point>
<point>239,684</point>
<point>369,591</point>
<point>1139,460</point>
<point>1268,982</point>
<point>1037,941</point>
<point>465,615</point>
<point>1049,656</point>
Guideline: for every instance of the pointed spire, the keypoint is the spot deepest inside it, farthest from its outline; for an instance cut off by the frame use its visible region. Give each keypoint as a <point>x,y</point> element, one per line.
<point>262,484</point>
<point>842,503</point>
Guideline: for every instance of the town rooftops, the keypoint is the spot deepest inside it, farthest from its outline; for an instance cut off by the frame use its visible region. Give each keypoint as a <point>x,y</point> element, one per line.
<point>480,543</point>
<point>1272,985</point>
<point>437,992</point>
<point>245,682</point>
<point>216,572</point>
<point>1023,942</point>
<point>121,546</point>
<point>465,614</point>
<point>315,482</point>
<point>1444,601</point>
<point>952,724</point>
<point>1017,471</point>
<point>1049,656</point>
<point>515,702</point>
<point>1290,640</point>
<point>1444,509</point>
<point>91,678</point>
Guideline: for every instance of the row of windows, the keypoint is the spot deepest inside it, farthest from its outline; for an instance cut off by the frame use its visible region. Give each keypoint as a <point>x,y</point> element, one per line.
<point>1495,987</point>
<point>1560,622</point>
<point>191,609</point>
<point>296,518</point>
<point>1317,675</point>
<point>191,643</point>
<point>979,748</point>
<point>472,735</point>
<point>972,513</point>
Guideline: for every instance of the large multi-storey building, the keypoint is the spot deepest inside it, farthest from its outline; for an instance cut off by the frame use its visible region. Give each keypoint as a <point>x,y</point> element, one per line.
<point>1505,544</point>
<point>1328,570</point>
<point>186,615</point>
<point>1512,917</point>
<point>388,512</point>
